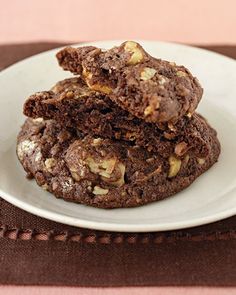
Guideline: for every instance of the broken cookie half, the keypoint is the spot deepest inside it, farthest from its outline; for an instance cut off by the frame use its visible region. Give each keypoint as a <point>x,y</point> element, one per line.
<point>149,88</point>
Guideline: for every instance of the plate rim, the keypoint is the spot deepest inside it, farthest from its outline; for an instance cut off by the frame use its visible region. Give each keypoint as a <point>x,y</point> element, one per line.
<point>109,226</point>
<point>114,227</point>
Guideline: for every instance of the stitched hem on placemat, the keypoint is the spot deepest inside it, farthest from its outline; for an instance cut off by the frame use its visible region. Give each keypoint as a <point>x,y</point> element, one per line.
<point>16,233</point>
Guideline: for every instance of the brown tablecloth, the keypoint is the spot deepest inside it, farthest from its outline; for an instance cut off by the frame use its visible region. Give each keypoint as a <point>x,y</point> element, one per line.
<point>36,251</point>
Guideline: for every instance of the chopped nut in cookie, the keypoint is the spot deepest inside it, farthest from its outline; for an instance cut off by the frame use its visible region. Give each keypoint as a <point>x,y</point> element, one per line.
<point>147,74</point>
<point>148,110</point>
<point>50,163</point>
<point>189,115</point>
<point>70,94</point>
<point>95,86</point>
<point>38,120</point>
<point>97,190</point>
<point>201,161</point>
<point>175,165</point>
<point>111,170</point>
<point>181,148</point>
<point>101,88</point>
<point>186,159</point>
<point>120,170</point>
<point>78,172</point>
<point>103,168</point>
<point>171,127</point>
<point>97,141</point>
<point>137,54</point>
<point>181,74</point>
<point>162,80</point>
<point>95,162</point>
<point>37,156</point>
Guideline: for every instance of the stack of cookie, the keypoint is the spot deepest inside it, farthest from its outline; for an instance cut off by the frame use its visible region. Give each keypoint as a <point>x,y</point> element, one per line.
<point>122,133</point>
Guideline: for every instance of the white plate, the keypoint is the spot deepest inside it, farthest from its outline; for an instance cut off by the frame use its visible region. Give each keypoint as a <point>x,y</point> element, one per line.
<point>210,198</point>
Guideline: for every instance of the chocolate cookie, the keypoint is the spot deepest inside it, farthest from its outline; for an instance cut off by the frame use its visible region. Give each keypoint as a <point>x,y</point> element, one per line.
<point>151,89</point>
<point>73,104</point>
<point>107,173</point>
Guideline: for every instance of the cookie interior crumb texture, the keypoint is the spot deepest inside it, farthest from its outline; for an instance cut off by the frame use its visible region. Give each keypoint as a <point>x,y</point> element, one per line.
<point>149,88</point>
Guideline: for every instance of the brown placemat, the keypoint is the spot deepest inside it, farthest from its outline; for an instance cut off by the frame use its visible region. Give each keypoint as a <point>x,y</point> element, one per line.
<point>35,251</point>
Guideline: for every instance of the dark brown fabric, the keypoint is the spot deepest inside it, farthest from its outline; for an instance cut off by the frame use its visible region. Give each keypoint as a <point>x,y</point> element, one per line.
<point>34,250</point>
